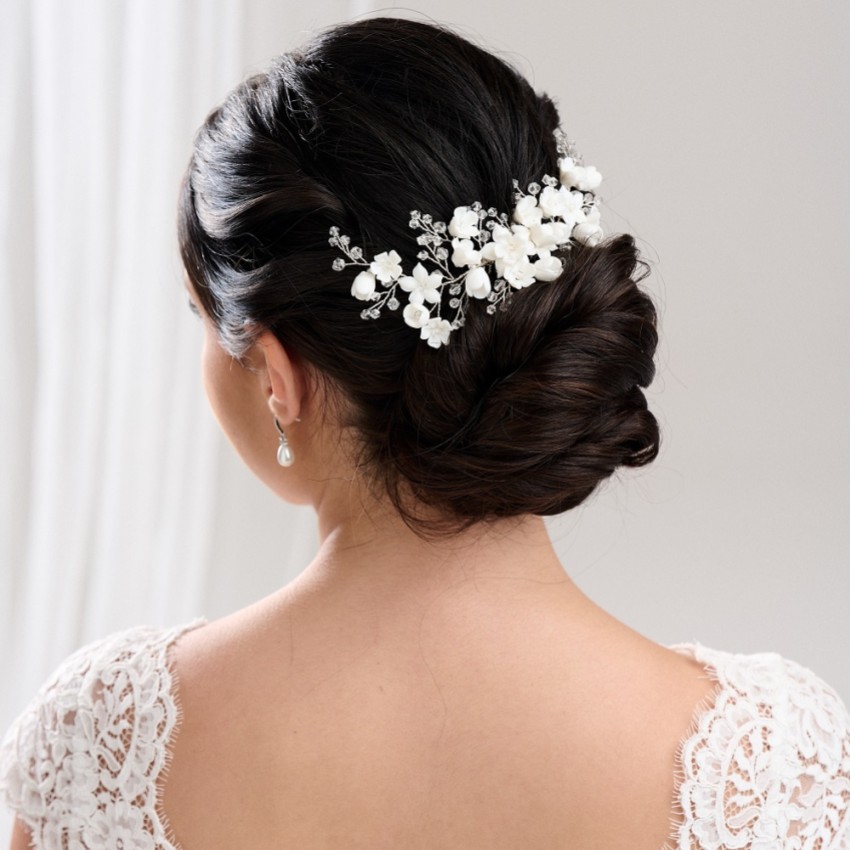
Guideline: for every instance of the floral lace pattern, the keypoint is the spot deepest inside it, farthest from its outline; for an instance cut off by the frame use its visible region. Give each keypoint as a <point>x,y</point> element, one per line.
<point>766,766</point>
<point>80,765</point>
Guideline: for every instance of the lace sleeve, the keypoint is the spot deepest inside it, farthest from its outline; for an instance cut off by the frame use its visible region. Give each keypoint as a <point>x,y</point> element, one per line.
<point>79,766</point>
<point>769,766</point>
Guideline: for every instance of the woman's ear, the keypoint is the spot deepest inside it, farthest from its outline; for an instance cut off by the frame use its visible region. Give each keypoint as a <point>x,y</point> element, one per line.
<point>284,379</point>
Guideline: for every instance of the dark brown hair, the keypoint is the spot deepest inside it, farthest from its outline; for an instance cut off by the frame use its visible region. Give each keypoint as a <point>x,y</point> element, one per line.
<point>525,411</point>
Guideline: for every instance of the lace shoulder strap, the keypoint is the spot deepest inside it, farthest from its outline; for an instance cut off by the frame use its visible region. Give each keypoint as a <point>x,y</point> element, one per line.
<point>80,765</point>
<point>768,765</point>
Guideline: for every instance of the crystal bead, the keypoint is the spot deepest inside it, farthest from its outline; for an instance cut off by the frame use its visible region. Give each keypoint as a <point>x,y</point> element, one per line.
<point>491,308</point>
<point>454,303</point>
<point>338,264</point>
<point>393,304</point>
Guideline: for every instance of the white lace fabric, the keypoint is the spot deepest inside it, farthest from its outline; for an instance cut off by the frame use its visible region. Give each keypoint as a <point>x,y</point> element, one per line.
<point>81,765</point>
<point>765,765</point>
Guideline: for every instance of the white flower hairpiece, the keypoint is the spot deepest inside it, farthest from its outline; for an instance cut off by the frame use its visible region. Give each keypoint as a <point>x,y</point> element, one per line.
<point>519,246</point>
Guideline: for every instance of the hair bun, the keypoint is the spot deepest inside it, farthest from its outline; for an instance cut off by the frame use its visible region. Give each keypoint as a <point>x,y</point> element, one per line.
<point>541,404</point>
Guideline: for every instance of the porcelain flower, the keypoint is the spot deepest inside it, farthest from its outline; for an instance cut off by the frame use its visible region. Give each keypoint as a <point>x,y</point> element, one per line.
<point>548,268</point>
<point>436,332</point>
<point>590,180</point>
<point>416,315</point>
<point>478,283</point>
<point>527,211</point>
<point>363,286</point>
<point>550,236</point>
<point>520,273</point>
<point>584,178</point>
<point>562,203</point>
<point>464,223</point>
<point>588,233</point>
<point>422,286</point>
<point>386,267</point>
<point>508,247</point>
<point>465,253</point>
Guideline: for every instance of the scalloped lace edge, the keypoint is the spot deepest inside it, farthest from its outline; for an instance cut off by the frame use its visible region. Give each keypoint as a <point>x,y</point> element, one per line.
<point>173,691</point>
<point>705,706</point>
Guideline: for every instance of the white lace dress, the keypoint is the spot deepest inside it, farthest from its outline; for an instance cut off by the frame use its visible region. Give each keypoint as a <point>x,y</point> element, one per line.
<point>765,765</point>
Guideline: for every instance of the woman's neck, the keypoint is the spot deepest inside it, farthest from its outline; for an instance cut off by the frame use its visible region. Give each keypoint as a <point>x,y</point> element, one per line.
<point>371,553</point>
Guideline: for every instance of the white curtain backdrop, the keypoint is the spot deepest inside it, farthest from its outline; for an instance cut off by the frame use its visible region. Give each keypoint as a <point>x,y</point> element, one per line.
<point>111,466</point>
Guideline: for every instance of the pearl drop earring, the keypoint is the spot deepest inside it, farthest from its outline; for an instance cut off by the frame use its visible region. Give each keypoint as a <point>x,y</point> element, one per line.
<point>285,457</point>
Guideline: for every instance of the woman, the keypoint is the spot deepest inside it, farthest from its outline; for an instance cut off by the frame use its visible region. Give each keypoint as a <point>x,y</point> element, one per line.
<point>413,323</point>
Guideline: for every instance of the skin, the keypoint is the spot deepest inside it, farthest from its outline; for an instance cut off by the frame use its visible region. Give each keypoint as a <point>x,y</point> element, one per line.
<point>403,693</point>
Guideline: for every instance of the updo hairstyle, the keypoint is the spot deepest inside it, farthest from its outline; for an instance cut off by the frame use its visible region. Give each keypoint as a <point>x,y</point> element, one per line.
<point>524,411</point>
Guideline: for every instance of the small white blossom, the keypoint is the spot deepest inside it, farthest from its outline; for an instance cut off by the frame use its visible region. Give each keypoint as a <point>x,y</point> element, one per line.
<point>591,179</point>
<point>550,236</point>
<point>568,168</point>
<point>508,246</point>
<point>562,203</point>
<point>478,283</point>
<point>386,267</point>
<point>464,253</point>
<point>422,286</point>
<point>520,273</point>
<point>363,286</point>
<point>586,179</point>
<point>416,315</point>
<point>527,212</point>
<point>436,332</point>
<point>588,233</point>
<point>464,223</point>
<point>548,268</point>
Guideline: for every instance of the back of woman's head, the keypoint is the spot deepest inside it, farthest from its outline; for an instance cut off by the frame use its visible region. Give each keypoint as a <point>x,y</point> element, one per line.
<point>526,410</point>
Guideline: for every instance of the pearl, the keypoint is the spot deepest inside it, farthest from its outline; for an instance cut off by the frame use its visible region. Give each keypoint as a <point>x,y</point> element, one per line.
<point>284,454</point>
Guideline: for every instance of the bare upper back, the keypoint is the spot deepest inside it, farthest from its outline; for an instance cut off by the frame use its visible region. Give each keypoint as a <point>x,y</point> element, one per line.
<point>475,727</point>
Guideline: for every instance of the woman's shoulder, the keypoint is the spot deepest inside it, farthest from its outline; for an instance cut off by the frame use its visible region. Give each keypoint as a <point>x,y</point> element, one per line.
<point>94,737</point>
<point>768,758</point>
